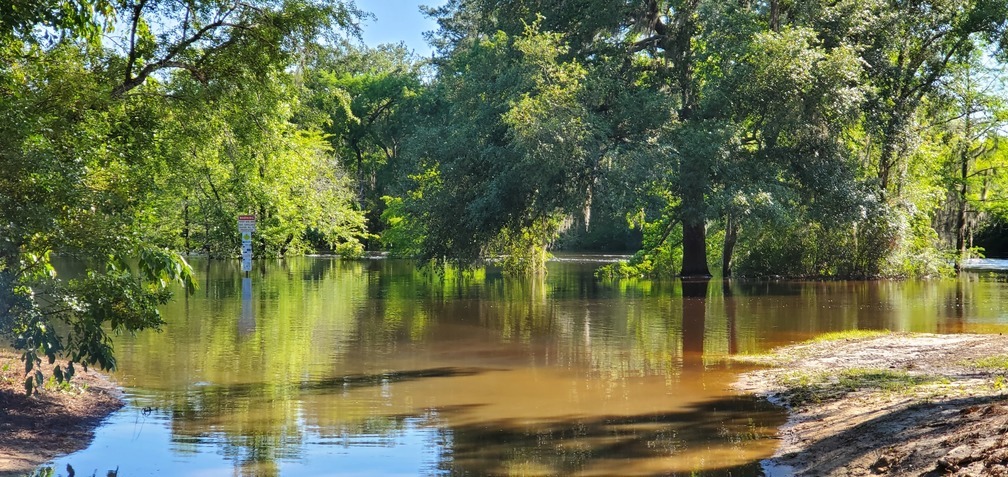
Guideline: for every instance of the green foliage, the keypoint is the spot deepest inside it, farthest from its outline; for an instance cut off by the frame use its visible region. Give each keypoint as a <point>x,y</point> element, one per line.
<point>46,20</point>
<point>402,235</point>
<point>524,250</point>
<point>118,156</point>
<point>512,147</point>
<point>803,138</point>
<point>660,254</point>
<point>366,101</point>
<point>996,363</point>
<point>49,318</point>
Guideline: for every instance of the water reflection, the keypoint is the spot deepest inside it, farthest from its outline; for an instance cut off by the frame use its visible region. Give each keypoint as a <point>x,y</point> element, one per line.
<point>327,367</point>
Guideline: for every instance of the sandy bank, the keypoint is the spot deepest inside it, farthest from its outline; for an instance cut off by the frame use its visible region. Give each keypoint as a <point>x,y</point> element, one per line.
<point>50,423</point>
<point>894,404</point>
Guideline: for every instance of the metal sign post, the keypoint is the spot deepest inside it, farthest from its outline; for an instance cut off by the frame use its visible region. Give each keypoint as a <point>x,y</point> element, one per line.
<point>246,225</point>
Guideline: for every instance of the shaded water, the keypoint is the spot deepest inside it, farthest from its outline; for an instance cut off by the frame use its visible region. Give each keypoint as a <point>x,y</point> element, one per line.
<point>318,366</point>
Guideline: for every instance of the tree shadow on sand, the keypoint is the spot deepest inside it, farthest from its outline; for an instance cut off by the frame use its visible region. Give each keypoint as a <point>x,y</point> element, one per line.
<point>928,438</point>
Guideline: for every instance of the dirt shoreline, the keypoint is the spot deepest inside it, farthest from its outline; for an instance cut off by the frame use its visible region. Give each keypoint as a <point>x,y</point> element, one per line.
<point>50,423</point>
<point>893,404</point>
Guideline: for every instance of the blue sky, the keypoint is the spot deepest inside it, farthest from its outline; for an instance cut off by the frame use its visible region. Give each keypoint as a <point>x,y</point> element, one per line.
<point>398,21</point>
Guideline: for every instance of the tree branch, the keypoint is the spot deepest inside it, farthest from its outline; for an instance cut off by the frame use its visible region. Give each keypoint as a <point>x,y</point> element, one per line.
<point>168,60</point>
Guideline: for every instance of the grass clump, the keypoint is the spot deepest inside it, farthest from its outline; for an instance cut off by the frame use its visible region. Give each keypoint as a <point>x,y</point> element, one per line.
<point>993,363</point>
<point>849,335</point>
<point>996,365</point>
<point>802,387</point>
<point>779,357</point>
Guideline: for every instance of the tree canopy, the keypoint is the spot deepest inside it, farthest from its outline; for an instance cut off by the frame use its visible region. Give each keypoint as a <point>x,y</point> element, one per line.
<point>133,133</point>
<point>851,138</point>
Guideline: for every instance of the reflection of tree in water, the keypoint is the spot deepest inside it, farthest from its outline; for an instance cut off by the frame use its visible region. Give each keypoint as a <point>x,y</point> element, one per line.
<point>730,316</point>
<point>257,425</point>
<point>254,426</point>
<point>252,432</point>
<point>672,443</point>
<point>306,318</point>
<point>694,316</point>
<point>956,303</point>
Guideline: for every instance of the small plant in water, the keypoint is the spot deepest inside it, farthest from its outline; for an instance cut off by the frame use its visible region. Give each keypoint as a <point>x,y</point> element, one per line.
<point>43,472</point>
<point>51,472</point>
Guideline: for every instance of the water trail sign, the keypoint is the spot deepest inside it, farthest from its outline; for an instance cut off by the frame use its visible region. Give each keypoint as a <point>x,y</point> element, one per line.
<point>246,225</point>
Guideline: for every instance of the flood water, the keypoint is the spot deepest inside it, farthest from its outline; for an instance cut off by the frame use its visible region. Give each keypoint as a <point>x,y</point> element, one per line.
<point>320,366</point>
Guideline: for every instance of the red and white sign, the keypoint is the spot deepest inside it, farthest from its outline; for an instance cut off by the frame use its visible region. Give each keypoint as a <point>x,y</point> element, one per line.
<point>246,223</point>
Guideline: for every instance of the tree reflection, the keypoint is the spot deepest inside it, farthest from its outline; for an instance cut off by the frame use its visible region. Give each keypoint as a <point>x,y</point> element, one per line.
<point>554,374</point>
<point>645,444</point>
<point>694,316</point>
<point>731,316</point>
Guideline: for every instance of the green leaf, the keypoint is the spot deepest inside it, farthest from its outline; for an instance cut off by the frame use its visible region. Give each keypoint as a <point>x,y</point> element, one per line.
<point>29,385</point>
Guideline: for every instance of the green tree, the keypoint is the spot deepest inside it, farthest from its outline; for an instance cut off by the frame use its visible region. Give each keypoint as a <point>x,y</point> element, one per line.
<point>62,194</point>
<point>94,149</point>
<point>509,148</point>
<point>705,125</point>
<point>968,117</point>
<point>911,48</point>
<point>227,151</point>
<point>366,102</point>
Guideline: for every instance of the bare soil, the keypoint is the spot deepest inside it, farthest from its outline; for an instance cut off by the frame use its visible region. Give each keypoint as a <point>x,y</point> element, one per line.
<point>896,404</point>
<point>53,421</point>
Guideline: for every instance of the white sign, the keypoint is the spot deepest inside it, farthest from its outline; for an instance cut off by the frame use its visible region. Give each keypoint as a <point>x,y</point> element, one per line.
<point>246,223</point>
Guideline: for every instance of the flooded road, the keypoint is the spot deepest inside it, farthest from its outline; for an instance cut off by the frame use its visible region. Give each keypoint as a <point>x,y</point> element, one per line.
<point>318,366</point>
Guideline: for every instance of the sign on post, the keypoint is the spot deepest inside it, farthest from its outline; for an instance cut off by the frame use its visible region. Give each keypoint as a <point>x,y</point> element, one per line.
<point>246,225</point>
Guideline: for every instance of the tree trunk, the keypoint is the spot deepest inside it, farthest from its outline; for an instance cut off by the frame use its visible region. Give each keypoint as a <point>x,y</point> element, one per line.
<point>964,168</point>
<point>186,226</point>
<point>961,222</point>
<point>775,13</point>
<point>694,249</point>
<point>731,236</point>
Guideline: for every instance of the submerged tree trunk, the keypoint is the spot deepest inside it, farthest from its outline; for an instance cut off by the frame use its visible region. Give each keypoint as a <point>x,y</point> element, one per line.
<point>731,236</point>
<point>694,249</point>
<point>961,222</point>
<point>694,220</point>
<point>186,228</point>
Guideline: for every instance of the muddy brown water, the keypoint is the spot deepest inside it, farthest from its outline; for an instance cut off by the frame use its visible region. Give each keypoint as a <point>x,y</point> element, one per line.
<point>319,366</point>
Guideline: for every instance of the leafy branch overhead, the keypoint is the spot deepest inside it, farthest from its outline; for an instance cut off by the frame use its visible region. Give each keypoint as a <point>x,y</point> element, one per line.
<point>132,134</point>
